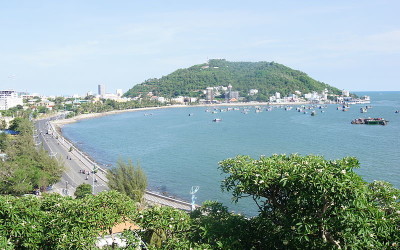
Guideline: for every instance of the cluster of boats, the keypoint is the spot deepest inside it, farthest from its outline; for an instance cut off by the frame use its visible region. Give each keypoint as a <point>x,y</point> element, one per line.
<point>258,109</point>
<point>303,109</point>
<point>370,121</point>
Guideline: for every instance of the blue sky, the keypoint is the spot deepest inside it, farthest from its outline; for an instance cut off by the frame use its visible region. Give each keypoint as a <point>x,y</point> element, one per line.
<point>69,47</point>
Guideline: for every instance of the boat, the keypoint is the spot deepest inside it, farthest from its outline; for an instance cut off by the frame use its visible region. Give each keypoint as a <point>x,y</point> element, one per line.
<point>397,111</point>
<point>370,121</point>
<point>363,110</point>
<point>313,113</point>
<point>217,120</point>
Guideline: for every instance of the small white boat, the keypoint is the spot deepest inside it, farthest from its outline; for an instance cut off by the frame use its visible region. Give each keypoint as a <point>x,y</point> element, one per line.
<point>217,120</point>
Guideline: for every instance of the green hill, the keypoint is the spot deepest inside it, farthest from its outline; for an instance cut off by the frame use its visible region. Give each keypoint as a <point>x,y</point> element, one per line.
<point>266,77</point>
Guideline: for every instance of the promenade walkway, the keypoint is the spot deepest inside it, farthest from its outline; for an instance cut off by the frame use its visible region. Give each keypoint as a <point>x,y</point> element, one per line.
<point>77,161</point>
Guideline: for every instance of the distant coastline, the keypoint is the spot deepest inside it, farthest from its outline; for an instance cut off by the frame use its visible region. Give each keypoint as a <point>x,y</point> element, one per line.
<point>61,123</point>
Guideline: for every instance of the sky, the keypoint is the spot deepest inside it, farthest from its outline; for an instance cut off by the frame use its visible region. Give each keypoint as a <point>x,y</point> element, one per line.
<point>69,47</point>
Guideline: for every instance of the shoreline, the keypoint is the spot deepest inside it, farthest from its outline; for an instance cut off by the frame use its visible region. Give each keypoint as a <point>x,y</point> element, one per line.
<point>61,123</point>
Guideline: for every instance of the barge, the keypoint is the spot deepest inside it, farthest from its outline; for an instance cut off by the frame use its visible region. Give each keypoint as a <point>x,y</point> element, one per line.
<point>370,121</point>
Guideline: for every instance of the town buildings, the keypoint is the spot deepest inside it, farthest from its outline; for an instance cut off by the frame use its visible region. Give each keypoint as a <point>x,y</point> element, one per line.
<point>9,99</point>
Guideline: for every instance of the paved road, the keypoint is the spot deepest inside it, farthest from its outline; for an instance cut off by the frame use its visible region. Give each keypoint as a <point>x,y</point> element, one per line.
<point>57,146</point>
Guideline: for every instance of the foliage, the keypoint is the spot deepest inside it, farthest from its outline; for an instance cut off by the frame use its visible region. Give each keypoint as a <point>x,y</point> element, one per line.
<point>127,179</point>
<point>56,222</point>
<point>17,111</point>
<point>83,190</point>
<point>105,105</point>
<point>22,125</point>
<point>3,124</point>
<point>310,202</point>
<point>3,141</point>
<point>26,168</point>
<point>267,77</point>
<point>215,226</point>
<point>166,228</point>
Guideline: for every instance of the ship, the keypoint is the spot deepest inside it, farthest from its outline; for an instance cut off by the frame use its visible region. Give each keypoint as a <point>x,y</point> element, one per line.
<point>370,121</point>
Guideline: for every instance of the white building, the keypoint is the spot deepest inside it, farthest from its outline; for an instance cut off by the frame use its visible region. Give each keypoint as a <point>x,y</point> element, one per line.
<point>253,91</point>
<point>9,99</point>
<point>278,95</point>
<point>209,93</point>
<point>345,93</point>
<point>179,100</point>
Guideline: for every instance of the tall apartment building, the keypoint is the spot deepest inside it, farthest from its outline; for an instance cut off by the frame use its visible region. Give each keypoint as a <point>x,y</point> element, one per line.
<point>9,99</point>
<point>101,89</point>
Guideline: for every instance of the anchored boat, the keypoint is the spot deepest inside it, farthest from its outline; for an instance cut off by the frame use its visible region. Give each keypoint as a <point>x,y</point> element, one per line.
<point>370,121</point>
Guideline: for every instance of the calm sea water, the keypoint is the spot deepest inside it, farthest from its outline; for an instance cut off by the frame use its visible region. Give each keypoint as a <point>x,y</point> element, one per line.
<point>178,151</point>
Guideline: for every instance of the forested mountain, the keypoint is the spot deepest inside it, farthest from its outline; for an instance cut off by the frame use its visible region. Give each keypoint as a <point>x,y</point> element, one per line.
<point>266,77</point>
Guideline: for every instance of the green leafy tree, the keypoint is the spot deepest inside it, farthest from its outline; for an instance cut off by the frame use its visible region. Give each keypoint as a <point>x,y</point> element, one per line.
<point>127,179</point>
<point>83,190</point>
<point>166,228</point>
<point>3,141</point>
<point>3,124</point>
<point>26,168</point>
<point>309,202</point>
<point>214,225</point>
<point>56,222</point>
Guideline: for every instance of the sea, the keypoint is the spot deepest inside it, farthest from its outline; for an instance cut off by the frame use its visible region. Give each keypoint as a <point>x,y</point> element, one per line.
<point>180,147</point>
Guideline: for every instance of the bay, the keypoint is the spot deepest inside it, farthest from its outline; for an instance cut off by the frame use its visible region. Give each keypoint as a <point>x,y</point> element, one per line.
<point>178,151</point>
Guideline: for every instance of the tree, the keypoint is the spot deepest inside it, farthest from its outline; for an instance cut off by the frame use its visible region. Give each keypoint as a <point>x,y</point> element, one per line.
<point>167,228</point>
<point>22,125</point>
<point>310,202</point>
<point>83,190</point>
<point>213,224</point>
<point>127,179</point>
<point>57,222</point>
<point>3,124</point>
<point>26,168</point>
<point>3,141</point>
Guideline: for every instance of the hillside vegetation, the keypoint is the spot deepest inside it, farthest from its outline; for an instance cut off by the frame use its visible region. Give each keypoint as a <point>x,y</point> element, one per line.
<point>267,77</point>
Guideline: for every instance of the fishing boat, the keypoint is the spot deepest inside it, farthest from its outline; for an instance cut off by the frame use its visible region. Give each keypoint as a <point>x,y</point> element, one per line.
<point>370,121</point>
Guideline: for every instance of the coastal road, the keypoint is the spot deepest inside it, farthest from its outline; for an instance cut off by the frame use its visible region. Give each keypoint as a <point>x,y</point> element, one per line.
<point>73,161</point>
<point>57,146</point>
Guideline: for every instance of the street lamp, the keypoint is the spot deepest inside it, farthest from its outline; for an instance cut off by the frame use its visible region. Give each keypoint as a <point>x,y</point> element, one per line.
<point>66,187</point>
<point>192,192</point>
<point>95,168</point>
